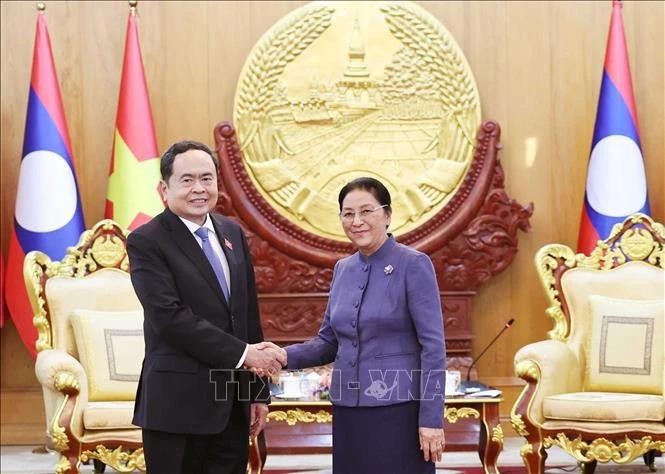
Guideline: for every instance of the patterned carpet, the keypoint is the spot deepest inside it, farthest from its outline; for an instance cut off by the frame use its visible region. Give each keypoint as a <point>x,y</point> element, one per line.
<point>22,460</point>
<point>636,468</point>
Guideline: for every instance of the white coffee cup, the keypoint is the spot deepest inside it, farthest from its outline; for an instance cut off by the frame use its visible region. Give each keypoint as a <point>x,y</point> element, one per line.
<point>290,385</point>
<point>453,380</point>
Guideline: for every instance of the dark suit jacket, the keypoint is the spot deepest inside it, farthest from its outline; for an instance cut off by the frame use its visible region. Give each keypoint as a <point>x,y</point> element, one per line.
<point>193,337</point>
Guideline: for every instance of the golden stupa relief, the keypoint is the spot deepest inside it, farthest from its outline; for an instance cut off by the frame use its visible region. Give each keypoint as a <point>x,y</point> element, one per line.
<point>337,90</point>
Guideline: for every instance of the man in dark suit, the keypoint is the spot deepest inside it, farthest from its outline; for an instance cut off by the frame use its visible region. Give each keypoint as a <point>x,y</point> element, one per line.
<point>193,274</point>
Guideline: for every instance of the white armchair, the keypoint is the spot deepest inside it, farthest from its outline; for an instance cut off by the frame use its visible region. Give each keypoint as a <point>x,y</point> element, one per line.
<point>595,388</point>
<point>90,350</point>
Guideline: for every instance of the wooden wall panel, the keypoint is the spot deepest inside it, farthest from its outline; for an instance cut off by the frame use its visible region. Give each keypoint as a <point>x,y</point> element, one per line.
<point>537,65</point>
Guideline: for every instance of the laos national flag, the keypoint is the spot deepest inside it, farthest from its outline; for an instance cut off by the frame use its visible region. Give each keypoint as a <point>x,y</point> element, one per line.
<point>616,182</point>
<point>48,215</point>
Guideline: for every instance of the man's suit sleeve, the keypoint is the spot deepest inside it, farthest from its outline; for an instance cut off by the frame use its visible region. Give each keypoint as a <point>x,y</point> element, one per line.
<point>259,391</point>
<point>168,316</point>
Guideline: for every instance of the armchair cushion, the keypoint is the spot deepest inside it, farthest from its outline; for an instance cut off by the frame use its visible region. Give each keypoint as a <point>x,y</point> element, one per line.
<point>634,280</point>
<point>604,406</point>
<point>108,416</point>
<point>602,428</point>
<point>107,289</point>
<point>111,349</point>
<point>626,349</point>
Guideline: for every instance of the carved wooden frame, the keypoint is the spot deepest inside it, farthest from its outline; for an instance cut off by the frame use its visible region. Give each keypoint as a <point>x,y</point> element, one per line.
<point>472,238</point>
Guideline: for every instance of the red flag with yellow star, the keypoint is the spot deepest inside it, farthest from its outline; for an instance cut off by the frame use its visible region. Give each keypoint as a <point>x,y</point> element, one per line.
<point>132,197</point>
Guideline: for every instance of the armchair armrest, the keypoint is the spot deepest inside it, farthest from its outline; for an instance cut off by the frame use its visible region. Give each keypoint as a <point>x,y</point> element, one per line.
<point>549,367</point>
<point>62,378</point>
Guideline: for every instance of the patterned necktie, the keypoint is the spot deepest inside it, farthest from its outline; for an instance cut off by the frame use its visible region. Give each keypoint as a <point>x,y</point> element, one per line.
<point>212,257</point>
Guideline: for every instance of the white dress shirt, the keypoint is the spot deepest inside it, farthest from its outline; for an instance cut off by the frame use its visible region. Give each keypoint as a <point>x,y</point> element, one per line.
<point>217,248</point>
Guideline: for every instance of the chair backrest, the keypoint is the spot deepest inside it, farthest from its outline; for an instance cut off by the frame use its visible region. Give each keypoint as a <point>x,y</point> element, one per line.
<point>628,266</point>
<point>93,275</point>
<point>630,281</point>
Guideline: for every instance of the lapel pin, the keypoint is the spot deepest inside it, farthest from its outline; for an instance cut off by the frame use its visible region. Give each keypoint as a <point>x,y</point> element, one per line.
<point>388,269</point>
<point>228,243</point>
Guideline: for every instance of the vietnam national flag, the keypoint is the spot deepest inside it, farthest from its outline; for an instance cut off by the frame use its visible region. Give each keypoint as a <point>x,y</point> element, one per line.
<point>132,197</point>
<point>48,215</point>
<point>616,184</point>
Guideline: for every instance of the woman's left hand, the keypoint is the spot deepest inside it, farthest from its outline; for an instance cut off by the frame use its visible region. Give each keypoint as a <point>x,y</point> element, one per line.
<point>259,414</point>
<point>432,443</point>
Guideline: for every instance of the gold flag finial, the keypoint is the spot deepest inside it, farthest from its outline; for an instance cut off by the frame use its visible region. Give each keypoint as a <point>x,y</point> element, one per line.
<point>132,6</point>
<point>41,6</point>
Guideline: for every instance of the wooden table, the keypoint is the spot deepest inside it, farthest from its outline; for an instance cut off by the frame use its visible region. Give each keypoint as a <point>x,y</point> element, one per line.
<point>304,426</point>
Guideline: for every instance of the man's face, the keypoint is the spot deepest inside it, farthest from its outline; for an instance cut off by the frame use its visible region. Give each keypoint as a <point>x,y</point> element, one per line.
<point>191,191</point>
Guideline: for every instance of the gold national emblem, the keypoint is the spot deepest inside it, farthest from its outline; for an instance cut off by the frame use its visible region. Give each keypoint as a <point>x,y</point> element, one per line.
<point>337,90</point>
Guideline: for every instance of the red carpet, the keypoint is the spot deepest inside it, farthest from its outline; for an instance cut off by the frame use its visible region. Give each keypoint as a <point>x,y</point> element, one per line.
<point>635,468</point>
<point>458,470</point>
<point>614,469</point>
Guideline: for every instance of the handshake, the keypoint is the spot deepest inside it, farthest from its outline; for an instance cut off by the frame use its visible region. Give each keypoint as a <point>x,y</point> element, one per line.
<point>265,358</point>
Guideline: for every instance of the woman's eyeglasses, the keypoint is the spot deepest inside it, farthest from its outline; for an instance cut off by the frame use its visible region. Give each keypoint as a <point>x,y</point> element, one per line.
<point>349,216</point>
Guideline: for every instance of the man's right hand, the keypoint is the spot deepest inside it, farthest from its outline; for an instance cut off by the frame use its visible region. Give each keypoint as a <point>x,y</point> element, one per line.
<point>265,358</point>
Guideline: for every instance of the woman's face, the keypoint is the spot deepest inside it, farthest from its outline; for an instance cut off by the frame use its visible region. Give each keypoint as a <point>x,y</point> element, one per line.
<point>364,221</point>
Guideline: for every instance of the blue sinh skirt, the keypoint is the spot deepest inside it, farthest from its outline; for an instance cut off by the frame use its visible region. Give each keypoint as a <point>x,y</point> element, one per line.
<point>378,440</point>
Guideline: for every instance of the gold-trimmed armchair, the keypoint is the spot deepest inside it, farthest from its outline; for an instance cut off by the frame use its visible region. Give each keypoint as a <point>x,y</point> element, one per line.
<point>595,387</point>
<point>90,349</point>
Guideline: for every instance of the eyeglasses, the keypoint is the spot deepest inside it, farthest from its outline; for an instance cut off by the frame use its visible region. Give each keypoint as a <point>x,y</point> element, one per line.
<point>349,216</point>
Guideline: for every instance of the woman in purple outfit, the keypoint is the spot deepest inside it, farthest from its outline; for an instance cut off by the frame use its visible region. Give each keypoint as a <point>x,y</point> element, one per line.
<point>383,329</point>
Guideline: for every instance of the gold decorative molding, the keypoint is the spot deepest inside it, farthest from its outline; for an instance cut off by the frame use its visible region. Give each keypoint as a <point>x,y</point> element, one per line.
<point>36,266</point>
<point>337,90</point>
<point>497,434</point>
<point>526,449</point>
<point>291,417</point>
<point>108,251</point>
<point>528,370</point>
<point>58,433</point>
<point>602,257</point>
<point>657,256</point>
<point>59,437</point>
<point>638,238</point>
<point>637,244</point>
<point>452,414</point>
<point>63,465</point>
<point>67,383</point>
<point>119,459</point>
<point>518,424</point>
<point>300,416</point>
<point>103,246</point>
<point>443,59</point>
<point>547,261</point>
<point>603,450</point>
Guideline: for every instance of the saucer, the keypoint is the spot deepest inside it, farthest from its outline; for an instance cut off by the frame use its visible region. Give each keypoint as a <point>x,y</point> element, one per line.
<point>289,396</point>
<point>454,394</point>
